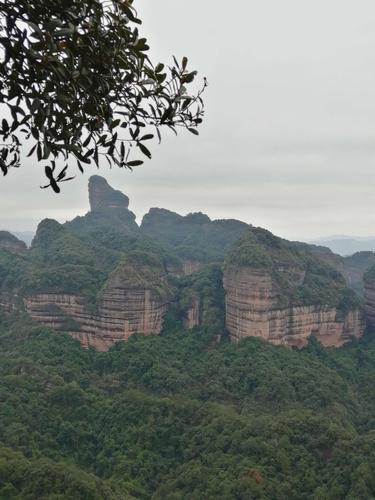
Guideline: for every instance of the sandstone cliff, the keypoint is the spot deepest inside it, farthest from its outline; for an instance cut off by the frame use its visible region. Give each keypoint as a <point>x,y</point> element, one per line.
<point>95,277</point>
<point>370,296</point>
<point>191,266</point>
<point>101,278</point>
<point>102,195</point>
<point>134,299</point>
<point>277,292</point>
<point>252,309</point>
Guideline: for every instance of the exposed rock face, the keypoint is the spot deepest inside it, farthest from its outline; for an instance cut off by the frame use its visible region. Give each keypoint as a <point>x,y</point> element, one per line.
<point>200,300</point>
<point>102,195</point>
<point>101,278</point>
<point>191,266</point>
<point>12,244</point>
<point>370,297</point>
<point>135,299</point>
<point>252,309</point>
<point>193,314</point>
<point>8,301</point>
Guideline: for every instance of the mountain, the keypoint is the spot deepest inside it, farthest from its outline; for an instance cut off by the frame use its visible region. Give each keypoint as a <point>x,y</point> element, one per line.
<point>101,278</point>
<point>352,267</point>
<point>109,223</point>
<point>281,292</point>
<point>198,402</point>
<point>195,238</point>
<point>347,245</point>
<point>26,236</point>
<point>11,243</point>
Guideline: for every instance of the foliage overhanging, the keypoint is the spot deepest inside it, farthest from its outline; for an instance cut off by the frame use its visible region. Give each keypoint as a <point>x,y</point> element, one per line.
<point>76,81</point>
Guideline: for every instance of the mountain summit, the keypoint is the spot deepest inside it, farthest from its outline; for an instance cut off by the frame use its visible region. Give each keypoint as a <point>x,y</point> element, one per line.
<point>102,195</point>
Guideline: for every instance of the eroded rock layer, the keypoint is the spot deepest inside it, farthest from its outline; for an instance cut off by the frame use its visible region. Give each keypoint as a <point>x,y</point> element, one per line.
<point>134,300</point>
<point>193,315</point>
<point>252,309</point>
<point>370,301</point>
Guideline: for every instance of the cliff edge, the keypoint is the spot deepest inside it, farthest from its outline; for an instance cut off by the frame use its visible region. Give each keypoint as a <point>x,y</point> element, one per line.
<point>276,291</point>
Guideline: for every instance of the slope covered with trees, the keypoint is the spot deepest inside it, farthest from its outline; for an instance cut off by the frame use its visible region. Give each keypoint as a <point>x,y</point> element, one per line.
<point>300,277</point>
<point>176,416</point>
<point>194,236</point>
<point>183,414</point>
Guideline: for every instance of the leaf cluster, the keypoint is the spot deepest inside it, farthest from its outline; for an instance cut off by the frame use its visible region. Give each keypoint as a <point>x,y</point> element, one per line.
<point>76,81</point>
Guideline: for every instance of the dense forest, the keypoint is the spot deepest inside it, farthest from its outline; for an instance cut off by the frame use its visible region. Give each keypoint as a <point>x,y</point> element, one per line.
<point>190,413</point>
<point>182,357</point>
<point>180,416</point>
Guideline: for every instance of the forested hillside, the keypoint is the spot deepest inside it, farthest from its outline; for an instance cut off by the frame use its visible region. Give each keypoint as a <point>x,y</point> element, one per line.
<point>178,416</point>
<point>180,410</point>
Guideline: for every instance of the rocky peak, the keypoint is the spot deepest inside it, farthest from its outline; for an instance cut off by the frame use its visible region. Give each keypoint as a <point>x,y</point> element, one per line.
<point>102,195</point>
<point>9,242</point>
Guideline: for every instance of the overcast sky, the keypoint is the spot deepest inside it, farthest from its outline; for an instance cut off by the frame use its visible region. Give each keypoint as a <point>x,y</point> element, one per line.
<point>288,141</point>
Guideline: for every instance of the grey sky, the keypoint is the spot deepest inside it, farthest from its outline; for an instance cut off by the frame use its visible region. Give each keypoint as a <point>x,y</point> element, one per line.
<point>289,137</point>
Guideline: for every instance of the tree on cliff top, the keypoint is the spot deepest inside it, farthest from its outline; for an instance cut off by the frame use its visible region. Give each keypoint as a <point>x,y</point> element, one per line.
<point>75,79</point>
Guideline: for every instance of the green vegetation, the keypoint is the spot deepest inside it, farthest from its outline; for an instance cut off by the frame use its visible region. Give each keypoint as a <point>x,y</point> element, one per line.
<point>204,291</point>
<point>79,256</point>
<point>175,417</point>
<point>58,261</point>
<point>355,267</point>
<point>113,228</point>
<point>369,276</point>
<point>352,267</point>
<point>183,415</point>
<point>299,277</point>
<point>193,237</point>
<point>76,82</point>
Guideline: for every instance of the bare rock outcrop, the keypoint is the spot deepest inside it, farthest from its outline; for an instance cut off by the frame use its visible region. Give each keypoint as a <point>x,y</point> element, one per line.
<point>190,266</point>
<point>134,299</point>
<point>102,195</point>
<point>369,296</point>
<point>278,291</point>
<point>252,310</point>
<point>101,278</point>
<point>8,301</point>
<point>193,314</point>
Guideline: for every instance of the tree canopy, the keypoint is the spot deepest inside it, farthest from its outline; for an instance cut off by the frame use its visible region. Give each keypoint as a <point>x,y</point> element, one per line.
<point>176,416</point>
<point>76,82</point>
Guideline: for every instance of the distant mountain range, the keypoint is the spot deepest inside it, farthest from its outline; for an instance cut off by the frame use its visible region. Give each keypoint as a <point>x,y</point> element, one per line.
<point>347,245</point>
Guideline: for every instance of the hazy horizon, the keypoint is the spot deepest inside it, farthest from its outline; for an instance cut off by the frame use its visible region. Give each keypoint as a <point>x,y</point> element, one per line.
<point>288,141</point>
